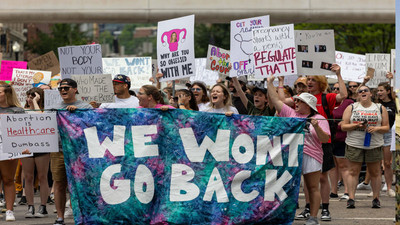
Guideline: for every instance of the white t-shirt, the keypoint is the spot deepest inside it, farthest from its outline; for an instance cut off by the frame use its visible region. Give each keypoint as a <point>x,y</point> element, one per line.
<point>203,106</point>
<point>222,110</point>
<point>131,102</point>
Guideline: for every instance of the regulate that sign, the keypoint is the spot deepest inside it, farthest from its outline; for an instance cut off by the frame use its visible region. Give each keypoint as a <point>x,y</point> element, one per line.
<point>46,62</point>
<point>96,88</point>
<point>274,51</point>
<point>83,59</point>
<point>7,68</point>
<point>139,69</point>
<point>218,60</point>
<point>175,48</point>
<point>381,64</point>
<point>315,52</point>
<point>36,132</point>
<point>27,79</point>
<point>242,45</point>
<point>352,66</point>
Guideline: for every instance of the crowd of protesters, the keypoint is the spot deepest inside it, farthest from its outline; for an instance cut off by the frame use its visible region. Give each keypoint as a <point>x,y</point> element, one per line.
<point>338,120</point>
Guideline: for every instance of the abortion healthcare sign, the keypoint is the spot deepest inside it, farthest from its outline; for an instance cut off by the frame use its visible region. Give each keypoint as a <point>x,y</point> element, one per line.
<point>175,48</point>
<point>146,166</point>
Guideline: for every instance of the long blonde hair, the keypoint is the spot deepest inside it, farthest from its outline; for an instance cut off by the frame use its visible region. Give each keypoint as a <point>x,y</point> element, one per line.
<point>11,96</point>
<point>228,99</point>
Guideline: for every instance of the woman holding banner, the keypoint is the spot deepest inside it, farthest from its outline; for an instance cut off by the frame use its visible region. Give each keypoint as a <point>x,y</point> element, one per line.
<point>150,97</point>
<point>305,107</point>
<point>200,93</point>
<point>40,161</point>
<point>9,104</point>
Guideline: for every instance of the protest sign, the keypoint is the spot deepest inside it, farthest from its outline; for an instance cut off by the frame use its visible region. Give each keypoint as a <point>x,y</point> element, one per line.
<point>392,60</point>
<point>9,155</point>
<point>381,64</point>
<point>83,59</point>
<point>218,60</point>
<point>51,98</point>
<point>7,68</point>
<point>181,166</point>
<point>47,62</point>
<point>242,59</point>
<point>352,66</point>
<point>98,88</point>
<point>36,132</point>
<point>27,79</point>
<point>202,74</point>
<point>139,69</point>
<point>175,48</point>
<point>274,51</point>
<point>315,52</point>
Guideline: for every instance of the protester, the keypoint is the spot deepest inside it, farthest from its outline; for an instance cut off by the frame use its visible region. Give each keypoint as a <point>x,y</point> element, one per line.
<point>236,100</point>
<point>9,104</point>
<point>305,107</point>
<point>385,97</point>
<point>200,93</point>
<point>221,101</point>
<point>150,97</point>
<point>353,86</point>
<point>40,161</point>
<point>300,86</point>
<point>186,100</point>
<point>68,89</point>
<point>260,107</point>
<point>360,120</point>
<point>123,99</point>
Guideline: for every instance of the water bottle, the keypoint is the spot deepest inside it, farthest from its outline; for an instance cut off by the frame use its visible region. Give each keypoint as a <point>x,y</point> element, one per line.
<point>367,139</point>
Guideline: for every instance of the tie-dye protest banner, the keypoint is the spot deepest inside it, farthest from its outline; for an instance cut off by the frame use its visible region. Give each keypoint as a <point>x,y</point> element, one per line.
<point>146,166</point>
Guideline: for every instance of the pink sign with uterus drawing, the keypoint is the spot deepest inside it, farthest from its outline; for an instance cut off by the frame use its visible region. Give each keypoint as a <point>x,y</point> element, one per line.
<point>175,48</point>
<point>173,37</point>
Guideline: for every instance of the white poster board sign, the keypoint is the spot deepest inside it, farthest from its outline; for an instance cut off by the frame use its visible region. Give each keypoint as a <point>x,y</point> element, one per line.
<point>202,74</point>
<point>51,98</point>
<point>352,66</point>
<point>315,52</point>
<point>139,69</point>
<point>288,80</point>
<point>98,88</point>
<point>36,132</point>
<point>175,48</point>
<point>218,60</point>
<point>392,60</point>
<point>274,51</point>
<point>381,64</point>
<point>27,79</point>
<point>83,59</point>
<point>242,45</point>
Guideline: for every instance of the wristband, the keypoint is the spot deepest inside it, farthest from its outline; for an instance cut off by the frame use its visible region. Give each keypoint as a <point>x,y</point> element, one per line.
<point>280,87</point>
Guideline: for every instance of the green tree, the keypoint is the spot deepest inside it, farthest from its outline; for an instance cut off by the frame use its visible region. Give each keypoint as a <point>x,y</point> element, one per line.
<point>214,34</point>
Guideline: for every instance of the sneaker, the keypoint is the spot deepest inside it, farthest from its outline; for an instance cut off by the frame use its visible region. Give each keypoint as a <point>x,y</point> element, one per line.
<point>362,186</point>
<point>325,215</point>
<point>333,195</point>
<point>344,197</point>
<point>68,213</point>
<point>59,222</point>
<point>22,201</point>
<point>391,193</point>
<point>52,196</point>
<point>312,221</point>
<point>303,215</point>
<point>50,201</point>
<point>339,184</point>
<point>351,204</point>
<point>68,204</point>
<point>376,204</point>
<point>2,203</point>
<point>31,212</point>
<point>42,212</point>
<point>10,215</point>
<point>370,194</point>
<point>384,188</point>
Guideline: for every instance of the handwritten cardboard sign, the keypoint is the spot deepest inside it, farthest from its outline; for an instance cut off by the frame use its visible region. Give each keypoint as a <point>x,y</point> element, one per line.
<point>274,51</point>
<point>83,59</point>
<point>242,45</point>
<point>7,68</point>
<point>315,52</point>
<point>47,62</point>
<point>36,132</point>
<point>381,64</point>
<point>203,74</point>
<point>139,69</point>
<point>218,60</point>
<point>175,48</point>
<point>96,88</point>
<point>51,98</point>
<point>27,79</point>
<point>352,66</point>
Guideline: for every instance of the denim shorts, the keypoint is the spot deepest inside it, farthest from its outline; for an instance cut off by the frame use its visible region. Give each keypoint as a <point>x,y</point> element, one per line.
<point>387,138</point>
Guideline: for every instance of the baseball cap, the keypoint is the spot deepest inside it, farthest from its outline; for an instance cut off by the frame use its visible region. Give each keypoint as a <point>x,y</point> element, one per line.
<point>123,79</point>
<point>263,90</point>
<point>69,82</point>
<point>309,99</point>
<point>302,80</point>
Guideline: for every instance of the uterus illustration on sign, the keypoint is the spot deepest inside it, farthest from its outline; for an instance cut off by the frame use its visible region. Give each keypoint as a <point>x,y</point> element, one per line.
<point>173,37</point>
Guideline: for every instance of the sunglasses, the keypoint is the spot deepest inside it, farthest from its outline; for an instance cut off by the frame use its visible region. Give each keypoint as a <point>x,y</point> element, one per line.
<point>363,90</point>
<point>64,88</point>
<point>335,88</point>
<point>353,86</point>
<point>195,89</point>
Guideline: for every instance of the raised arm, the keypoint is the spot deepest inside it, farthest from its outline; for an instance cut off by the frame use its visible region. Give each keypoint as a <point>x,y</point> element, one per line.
<point>281,93</point>
<point>240,92</point>
<point>273,96</point>
<point>342,86</point>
